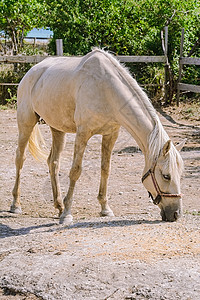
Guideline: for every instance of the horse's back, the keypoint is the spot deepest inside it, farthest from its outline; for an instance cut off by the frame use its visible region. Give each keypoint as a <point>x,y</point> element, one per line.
<point>55,87</point>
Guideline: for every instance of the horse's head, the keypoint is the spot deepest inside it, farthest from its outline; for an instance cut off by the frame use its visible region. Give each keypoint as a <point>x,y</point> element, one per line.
<point>162,181</point>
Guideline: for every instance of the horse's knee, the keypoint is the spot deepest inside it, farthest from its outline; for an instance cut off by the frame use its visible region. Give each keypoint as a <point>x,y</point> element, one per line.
<point>53,164</point>
<point>75,172</point>
<point>20,158</point>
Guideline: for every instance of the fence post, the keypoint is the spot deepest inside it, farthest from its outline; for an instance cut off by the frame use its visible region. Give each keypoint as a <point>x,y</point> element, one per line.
<point>34,42</point>
<point>165,48</point>
<point>180,67</point>
<point>59,47</point>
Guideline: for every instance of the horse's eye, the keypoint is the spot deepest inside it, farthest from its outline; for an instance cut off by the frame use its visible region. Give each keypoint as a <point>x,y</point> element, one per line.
<point>167,177</point>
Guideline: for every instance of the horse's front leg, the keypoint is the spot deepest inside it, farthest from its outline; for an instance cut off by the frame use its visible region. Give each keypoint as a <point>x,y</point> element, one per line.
<point>108,142</point>
<point>75,172</point>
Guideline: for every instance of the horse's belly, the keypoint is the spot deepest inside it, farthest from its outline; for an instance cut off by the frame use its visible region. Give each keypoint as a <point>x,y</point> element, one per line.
<point>66,126</point>
<point>57,113</point>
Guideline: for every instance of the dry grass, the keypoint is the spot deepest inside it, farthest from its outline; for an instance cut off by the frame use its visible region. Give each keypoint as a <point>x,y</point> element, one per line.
<point>188,111</point>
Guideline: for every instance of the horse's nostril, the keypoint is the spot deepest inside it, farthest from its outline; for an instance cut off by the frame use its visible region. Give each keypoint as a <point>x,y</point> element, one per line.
<point>176,215</point>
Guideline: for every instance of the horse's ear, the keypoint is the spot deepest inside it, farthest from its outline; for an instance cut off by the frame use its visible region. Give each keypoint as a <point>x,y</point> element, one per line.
<point>166,148</point>
<point>181,145</point>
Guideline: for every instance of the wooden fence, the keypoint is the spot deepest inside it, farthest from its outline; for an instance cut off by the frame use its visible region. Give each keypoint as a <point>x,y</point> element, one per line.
<point>186,61</point>
<point>37,58</point>
<point>127,59</point>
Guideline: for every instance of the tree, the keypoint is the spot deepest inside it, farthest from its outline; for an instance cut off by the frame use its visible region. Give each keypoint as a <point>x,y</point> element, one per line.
<point>17,17</point>
<point>130,27</point>
<point>84,24</point>
<point>125,27</point>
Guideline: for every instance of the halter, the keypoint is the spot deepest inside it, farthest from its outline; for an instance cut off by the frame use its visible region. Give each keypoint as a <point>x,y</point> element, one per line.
<point>160,194</point>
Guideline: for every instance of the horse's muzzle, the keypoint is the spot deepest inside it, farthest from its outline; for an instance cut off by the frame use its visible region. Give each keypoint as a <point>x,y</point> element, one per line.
<point>170,215</point>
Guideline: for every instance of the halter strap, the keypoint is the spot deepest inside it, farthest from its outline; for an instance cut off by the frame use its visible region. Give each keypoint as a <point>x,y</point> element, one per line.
<point>160,194</point>
<point>146,175</point>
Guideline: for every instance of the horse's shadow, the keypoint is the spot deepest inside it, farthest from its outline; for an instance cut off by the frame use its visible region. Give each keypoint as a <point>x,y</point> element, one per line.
<point>7,231</point>
<point>111,223</point>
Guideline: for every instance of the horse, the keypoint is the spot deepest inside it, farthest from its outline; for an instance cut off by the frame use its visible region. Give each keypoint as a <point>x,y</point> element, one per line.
<point>94,94</point>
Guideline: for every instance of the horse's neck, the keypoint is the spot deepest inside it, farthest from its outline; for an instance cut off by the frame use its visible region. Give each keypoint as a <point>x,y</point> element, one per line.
<point>138,122</point>
<point>144,125</point>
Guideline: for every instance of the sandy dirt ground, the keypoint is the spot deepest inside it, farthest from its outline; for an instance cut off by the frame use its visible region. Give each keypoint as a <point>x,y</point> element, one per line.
<point>133,255</point>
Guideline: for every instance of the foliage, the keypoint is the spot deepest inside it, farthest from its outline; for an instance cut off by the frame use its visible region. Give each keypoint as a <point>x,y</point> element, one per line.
<point>126,27</point>
<point>17,17</point>
<point>12,100</point>
<point>131,27</point>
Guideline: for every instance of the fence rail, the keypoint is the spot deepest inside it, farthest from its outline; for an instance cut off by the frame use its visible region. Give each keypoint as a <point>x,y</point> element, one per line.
<point>39,58</point>
<point>186,61</point>
<point>22,58</point>
<point>8,84</point>
<point>143,59</point>
<point>189,87</point>
<point>190,61</point>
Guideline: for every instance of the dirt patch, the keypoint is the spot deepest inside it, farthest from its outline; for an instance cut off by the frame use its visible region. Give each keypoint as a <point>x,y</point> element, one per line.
<point>131,256</point>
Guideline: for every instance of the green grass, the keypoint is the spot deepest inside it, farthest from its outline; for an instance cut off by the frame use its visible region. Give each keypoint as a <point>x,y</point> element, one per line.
<point>193,213</point>
<point>4,107</point>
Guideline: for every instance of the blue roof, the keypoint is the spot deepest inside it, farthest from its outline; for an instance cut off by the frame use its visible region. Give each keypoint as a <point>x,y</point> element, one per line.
<point>40,33</point>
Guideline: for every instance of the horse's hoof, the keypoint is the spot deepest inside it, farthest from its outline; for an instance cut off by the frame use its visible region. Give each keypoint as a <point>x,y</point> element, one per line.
<point>107,213</point>
<point>15,210</point>
<point>66,220</point>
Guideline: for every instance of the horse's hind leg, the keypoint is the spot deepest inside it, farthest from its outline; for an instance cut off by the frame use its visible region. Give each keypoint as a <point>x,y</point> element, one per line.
<point>108,142</point>
<point>58,142</point>
<point>25,129</point>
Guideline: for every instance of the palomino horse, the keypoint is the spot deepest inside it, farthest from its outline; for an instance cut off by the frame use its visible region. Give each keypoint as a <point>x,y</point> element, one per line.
<point>91,95</point>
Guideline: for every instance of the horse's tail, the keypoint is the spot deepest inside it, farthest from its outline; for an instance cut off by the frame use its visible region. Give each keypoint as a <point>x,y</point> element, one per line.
<point>36,145</point>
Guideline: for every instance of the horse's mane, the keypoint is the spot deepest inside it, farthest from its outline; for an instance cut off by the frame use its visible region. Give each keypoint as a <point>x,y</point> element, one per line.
<point>158,136</point>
